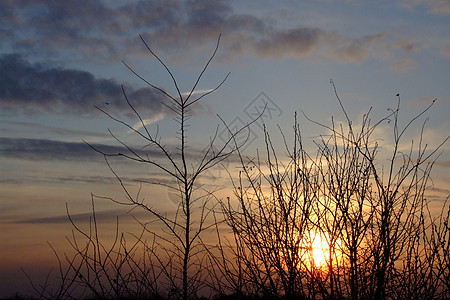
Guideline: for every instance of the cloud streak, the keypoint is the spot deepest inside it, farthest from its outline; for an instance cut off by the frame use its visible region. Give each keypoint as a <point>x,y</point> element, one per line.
<point>43,149</point>
<point>101,216</point>
<point>24,127</point>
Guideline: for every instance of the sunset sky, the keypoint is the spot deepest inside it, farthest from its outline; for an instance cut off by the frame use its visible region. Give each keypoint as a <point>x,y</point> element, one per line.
<point>59,59</point>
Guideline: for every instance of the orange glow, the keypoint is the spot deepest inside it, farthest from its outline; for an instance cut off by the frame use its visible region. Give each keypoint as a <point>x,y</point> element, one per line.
<point>320,249</point>
<point>316,250</point>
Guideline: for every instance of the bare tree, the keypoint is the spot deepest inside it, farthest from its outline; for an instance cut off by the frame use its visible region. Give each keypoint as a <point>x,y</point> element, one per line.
<point>173,261</point>
<point>183,250</point>
<point>374,218</point>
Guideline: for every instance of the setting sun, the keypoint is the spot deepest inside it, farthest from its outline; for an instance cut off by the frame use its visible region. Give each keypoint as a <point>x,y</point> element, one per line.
<point>319,249</point>
<point>318,245</point>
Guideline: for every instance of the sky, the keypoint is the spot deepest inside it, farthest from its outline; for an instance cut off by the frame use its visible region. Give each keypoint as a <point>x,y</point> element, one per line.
<point>60,60</point>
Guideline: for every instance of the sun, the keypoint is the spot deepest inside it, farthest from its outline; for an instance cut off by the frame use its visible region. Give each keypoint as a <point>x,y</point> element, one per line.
<point>323,251</point>
<point>320,249</point>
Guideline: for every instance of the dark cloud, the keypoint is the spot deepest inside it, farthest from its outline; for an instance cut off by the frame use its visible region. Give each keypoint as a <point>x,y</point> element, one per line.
<point>155,14</point>
<point>36,88</point>
<point>244,33</point>
<point>204,14</point>
<point>50,150</point>
<point>33,179</point>
<point>52,27</point>
<point>101,216</point>
<point>82,29</point>
<point>156,179</point>
<point>42,149</point>
<point>94,30</point>
<point>24,127</point>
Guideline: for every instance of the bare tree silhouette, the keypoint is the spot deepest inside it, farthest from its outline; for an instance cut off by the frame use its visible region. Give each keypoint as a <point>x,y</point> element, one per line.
<point>375,219</point>
<point>185,170</point>
<point>174,261</point>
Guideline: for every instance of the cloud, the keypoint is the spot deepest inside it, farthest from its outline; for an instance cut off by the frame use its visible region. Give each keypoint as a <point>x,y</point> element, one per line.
<point>146,122</point>
<point>297,42</point>
<point>404,65</point>
<point>437,7</point>
<point>357,49</point>
<point>101,216</point>
<point>406,46</point>
<point>443,164</point>
<point>419,103</point>
<point>445,51</point>
<point>246,34</point>
<point>399,53</point>
<point>24,127</point>
<point>36,88</point>
<point>77,29</point>
<point>43,149</point>
<point>60,24</point>
<point>32,179</point>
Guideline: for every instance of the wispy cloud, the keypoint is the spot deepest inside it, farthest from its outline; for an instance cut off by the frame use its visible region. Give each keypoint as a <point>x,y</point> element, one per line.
<point>404,65</point>
<point>146,122</point>
<point>357,49</point>
<point>196,92</point>
<point>445,51</point>
<point>437,7</point>
<point>443,164</point>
